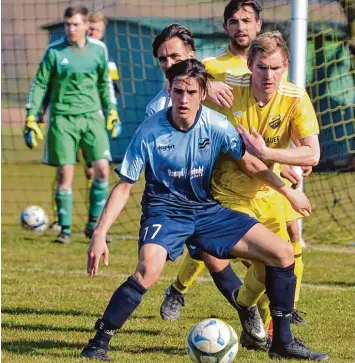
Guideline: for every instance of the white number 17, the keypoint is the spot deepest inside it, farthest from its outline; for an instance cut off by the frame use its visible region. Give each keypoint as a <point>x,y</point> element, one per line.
<point>157,226</point>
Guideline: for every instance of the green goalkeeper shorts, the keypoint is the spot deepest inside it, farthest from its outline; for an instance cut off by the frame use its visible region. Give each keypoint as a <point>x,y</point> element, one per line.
<point>67,133</point>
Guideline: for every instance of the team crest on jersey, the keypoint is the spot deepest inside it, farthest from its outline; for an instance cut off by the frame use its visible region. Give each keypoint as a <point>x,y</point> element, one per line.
<point>238,114</point>
<point>275,122</point>
<point>204,143</point>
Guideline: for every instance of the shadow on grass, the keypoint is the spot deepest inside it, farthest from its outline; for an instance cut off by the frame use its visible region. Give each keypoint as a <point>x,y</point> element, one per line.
<point>31,311</point>
<point>43,327</point>
<point>70,312</point>
<point>28,347</point>
<point>24,347</point>
<point>47,328</point>
<point>151,350</point>
<point>333,283</point>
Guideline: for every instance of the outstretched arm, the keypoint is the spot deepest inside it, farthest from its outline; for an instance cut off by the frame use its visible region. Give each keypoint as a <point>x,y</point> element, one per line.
<point>114,205</point>
<point>256,168</point>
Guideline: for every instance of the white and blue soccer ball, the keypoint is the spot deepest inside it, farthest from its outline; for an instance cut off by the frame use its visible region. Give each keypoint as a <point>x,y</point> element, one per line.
<point>212,341</point>
<point>34,218</point>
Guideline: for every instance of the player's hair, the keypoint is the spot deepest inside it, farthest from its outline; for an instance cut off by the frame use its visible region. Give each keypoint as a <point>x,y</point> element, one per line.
<point>266,44</point>
<point>234,5</point>
<point>73,10</point>
<point>172,31</point>
<point>190,68</point>
<point>97,17</point>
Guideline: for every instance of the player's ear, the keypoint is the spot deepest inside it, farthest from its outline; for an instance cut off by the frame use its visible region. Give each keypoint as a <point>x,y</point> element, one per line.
<point>192,54</point>
<point>250,64</point>
<point>225,28</point>
<point>259,24</point>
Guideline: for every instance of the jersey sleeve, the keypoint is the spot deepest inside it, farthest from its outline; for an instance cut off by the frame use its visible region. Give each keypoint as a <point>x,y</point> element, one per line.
<point>304,120</point>
<point>149,111</point>
<point>232,143</point>
<point>104,82</point>
<point>135,158</point>
<point>40,84</point>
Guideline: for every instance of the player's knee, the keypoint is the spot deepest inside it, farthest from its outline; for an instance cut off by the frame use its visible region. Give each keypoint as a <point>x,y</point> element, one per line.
<point>214,264</point>
<point>285,255</point>
<point>147,274</point>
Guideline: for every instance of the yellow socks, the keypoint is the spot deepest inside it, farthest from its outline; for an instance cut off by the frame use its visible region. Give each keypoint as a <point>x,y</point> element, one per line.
<point>298,268</point>
<point>253,287</point>
<point>188,273</point>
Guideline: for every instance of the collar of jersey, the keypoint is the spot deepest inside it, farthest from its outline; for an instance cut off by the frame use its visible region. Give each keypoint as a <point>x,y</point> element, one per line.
<point>77,49</point>
<point>169,118</point>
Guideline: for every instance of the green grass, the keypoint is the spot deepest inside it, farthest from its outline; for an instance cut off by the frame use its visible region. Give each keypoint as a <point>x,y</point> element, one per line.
<point>49,305</point>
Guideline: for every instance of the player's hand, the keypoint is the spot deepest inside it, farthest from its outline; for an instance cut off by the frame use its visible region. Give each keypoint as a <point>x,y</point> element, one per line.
<point>291,176</point>
<point>220,94</point>
<point>32,132</point>
<point>254,142</point>
<point>98,248</point>
<point>114,124</point>
<point>307,170</point>
<point>300,203</point>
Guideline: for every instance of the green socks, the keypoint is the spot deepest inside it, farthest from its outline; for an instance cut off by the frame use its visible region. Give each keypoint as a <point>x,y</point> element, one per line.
<point>64,201</point>
<point>98,195</point>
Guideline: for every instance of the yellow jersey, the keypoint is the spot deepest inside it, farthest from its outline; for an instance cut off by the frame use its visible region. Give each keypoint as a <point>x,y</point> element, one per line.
<point>225,62</point>
<point>289,111</point>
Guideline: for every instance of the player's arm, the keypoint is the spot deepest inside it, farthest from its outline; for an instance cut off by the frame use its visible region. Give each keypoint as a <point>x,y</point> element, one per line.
<point>257,169</point>
<point>107,96</point>
<point>129,170</point>
<point>113,208</point>
<point>304,127</point>
<point>307,154</point>
<point>234,146</point>
<point>104,83</point>
<point>40,84</point>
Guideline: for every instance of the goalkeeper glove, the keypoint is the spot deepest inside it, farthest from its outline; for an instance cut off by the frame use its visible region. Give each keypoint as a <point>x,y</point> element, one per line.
<point>114,124</point>
<point>31,131</point>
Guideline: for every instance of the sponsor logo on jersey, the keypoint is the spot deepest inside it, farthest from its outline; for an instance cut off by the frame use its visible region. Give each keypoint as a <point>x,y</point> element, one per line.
<point>204,143</point>
<point>196,172</point>
<point>238,114</point>
<point>64,62</point>
<point>165,147</point>
<point>176,173</point>
<point>275,122</point>
<point>272,140</point>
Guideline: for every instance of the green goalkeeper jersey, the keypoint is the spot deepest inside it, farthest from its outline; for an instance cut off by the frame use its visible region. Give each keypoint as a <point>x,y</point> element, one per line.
<point>78,78</point>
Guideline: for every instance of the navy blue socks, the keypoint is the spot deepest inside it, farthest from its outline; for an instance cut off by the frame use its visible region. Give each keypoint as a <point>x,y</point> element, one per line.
<point>121,306</point>
<point>228,283</point>
<point>280,286</point>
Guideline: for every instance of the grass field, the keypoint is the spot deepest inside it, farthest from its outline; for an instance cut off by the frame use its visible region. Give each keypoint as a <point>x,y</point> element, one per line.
<point>49,305</point>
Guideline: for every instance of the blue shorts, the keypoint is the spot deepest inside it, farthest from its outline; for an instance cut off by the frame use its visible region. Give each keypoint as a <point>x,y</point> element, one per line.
<point>214,229</point>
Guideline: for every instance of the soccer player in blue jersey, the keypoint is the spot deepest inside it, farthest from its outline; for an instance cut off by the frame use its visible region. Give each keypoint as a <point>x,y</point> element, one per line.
<point>178,147</point>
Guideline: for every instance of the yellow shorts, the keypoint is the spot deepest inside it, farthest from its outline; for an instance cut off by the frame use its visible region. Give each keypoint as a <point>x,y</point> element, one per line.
<point>290,213</point>
<point>268,210</point>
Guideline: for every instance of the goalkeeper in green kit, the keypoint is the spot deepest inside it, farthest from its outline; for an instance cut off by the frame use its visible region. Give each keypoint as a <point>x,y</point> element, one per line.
<point>75,69</point>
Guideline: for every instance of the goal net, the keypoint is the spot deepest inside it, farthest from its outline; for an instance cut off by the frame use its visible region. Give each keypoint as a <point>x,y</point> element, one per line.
<point>28,27</point>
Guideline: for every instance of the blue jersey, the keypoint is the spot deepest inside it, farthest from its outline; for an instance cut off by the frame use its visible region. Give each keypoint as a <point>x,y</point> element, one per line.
<point>161,101</point>
<point>178,164</point>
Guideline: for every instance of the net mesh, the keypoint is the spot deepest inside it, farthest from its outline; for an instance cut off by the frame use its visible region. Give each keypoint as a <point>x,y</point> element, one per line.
<point>28,26</point>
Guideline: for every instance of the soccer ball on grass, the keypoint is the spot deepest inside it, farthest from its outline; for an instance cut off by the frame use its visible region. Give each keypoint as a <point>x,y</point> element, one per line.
<point>34,218</point>
<point>212,341</point>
